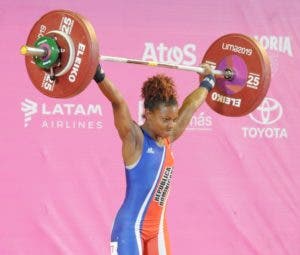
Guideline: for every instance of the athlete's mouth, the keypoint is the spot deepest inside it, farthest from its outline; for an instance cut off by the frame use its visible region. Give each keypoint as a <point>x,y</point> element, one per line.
<point>168,131</point>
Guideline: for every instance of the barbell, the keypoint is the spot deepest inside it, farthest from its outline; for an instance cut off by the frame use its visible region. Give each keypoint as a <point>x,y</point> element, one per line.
<point>62,53</point>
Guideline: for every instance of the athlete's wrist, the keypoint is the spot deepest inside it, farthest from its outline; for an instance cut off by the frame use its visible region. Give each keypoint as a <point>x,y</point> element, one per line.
<point>99,75</point>
<point>208,82</point>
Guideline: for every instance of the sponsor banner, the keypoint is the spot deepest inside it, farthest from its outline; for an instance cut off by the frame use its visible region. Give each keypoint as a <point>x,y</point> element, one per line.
<point>62,115</point>
<point>282,44</point>
<point>266,121</point>
<point>176,55</point>
<point>199,122</point>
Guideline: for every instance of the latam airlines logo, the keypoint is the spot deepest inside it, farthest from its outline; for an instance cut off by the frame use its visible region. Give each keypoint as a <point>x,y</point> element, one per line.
<point>266,116</point>
<point>29,108</point>
<point>66,115</point>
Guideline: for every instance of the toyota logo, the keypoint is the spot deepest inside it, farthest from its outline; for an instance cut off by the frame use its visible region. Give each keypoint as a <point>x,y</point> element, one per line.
<point>268,112</point>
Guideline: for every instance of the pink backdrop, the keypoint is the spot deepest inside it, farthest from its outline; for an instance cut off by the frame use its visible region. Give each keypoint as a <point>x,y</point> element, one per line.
<point>236,186</point>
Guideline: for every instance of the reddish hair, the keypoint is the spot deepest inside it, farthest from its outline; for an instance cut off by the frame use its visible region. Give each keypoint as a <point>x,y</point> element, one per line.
<point>159,89</point>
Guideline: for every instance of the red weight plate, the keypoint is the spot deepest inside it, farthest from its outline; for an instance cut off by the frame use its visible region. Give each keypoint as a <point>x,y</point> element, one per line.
<point>251,66</point>
<point>64,25</point>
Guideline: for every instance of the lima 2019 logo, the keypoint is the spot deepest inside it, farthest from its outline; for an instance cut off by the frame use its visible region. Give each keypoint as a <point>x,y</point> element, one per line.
<point>266,116</point>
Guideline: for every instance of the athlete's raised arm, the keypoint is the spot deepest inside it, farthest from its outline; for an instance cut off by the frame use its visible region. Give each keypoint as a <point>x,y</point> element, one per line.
<point>192,102</point>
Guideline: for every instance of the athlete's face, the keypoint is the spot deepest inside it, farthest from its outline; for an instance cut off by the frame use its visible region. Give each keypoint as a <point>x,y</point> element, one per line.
<point>162,120</point>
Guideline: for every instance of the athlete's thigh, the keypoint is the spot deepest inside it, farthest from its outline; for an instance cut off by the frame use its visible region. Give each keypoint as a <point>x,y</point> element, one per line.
<point>124,242</point>
<point>159,245</point>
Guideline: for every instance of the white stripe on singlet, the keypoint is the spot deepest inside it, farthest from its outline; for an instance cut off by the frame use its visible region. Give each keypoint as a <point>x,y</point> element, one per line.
<point>161,236</point>
<point>142,210</point>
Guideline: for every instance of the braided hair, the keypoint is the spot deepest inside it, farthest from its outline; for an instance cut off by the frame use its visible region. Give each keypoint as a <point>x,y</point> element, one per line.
<point>159,89</point>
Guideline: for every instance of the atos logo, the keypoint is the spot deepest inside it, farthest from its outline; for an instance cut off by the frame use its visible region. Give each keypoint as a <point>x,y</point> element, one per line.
<point>172,55</point>
<point>266,115</point>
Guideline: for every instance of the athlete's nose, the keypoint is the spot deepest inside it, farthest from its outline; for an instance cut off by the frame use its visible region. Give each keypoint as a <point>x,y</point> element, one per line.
<point>170,125</point>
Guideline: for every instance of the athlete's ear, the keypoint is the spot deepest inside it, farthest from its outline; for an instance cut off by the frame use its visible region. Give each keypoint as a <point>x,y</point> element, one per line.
<point>147,114</point>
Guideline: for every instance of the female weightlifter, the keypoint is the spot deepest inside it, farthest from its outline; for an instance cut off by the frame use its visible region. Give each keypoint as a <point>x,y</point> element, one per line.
<point>140,225</point>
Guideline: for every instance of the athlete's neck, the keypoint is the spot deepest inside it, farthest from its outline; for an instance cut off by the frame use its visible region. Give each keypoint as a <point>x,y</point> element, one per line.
<point>155,137</point>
